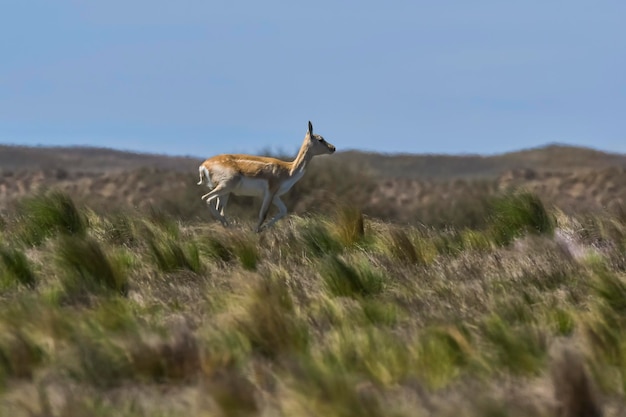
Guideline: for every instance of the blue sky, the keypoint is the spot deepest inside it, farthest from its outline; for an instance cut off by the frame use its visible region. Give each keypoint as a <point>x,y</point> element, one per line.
<point>201,77</point>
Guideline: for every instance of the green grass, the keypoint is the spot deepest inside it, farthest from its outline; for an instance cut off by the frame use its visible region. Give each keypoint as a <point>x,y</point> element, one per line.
<point>171,255</point>
<point>86,268</point>
<point>44,215</point>
<point>20,356</point>
<point>518,213</point>
<point>318,239</point>
<point>343,279</point>
<point>271,323</point>
<point>349,225</point>
<point>15,268</point>
<point>341,315</point>
<point>402,247</point>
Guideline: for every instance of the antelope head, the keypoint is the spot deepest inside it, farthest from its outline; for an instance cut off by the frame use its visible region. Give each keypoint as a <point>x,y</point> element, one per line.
<point>316,144</point>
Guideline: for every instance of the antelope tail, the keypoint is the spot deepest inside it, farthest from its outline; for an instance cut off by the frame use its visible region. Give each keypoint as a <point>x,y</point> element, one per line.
<point>204,173</point>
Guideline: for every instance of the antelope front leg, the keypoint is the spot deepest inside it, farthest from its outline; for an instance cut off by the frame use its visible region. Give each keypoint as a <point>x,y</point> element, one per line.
<point>221,205</point>
<point>265,207</point>
<point>282,211</point>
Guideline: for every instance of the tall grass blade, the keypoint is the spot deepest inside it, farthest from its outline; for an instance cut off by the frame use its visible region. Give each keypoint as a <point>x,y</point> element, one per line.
<point>171,255</point>
<point>518,213</point>
<point>17,267</point>
<point>346,280</point>
<point>271,324</point>
<point>348,225</point>
<point>44,215</point>
<point>319,240</point>
<point>86,268</point>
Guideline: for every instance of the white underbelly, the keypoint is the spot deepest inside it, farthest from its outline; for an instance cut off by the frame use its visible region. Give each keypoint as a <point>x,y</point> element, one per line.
<point>256,187</point>
<point>251,187</point>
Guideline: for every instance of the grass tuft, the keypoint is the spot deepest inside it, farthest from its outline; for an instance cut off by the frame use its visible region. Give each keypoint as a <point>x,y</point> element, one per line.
<point>345,280</point>
<point>88,269</point>
<point>120,230</point>
<point>562,321</point>
<point>408,251</point>
<point>271,323</point>
<point>19,355</point>
<point>380,313</point>
<point>99,360</point>
<point>107,356</point>
<point>44,215</point>
<point>311,317</point>
<point>318,239</point>
<point>247,252</point>
<point>348,225</point>
<point>610,288</point>
<point>521,348</point>
<point>331,391</point>
<point>164,221</point>
<point>171,255</point>
<point>17,267</point>
<point>518,213</point>
<point>441,354</point>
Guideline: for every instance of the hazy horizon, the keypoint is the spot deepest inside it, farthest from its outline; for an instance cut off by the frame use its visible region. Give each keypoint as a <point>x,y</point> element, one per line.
<point>280,153</point>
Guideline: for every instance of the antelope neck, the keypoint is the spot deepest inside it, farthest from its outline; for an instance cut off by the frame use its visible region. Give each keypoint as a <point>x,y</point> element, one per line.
<point>302,159</point>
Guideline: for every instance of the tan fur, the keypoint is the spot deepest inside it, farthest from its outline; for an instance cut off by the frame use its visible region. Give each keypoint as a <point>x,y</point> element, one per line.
<point>258,175</point>
<point>271,169</point>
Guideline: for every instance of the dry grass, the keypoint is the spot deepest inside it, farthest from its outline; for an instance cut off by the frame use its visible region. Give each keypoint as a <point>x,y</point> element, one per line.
<point>149,315</point>
<point>434,190</point>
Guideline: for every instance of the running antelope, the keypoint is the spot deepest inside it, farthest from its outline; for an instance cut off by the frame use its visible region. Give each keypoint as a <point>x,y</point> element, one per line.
<point>258,176</point>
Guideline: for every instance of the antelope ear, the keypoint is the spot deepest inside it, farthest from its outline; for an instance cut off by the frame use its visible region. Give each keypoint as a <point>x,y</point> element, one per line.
<point>310,128</point>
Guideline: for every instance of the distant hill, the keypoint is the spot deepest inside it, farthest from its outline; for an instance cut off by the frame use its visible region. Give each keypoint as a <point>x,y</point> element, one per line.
<point>86,159</point>
<point>559,158</point>
<point>553,158</point>
<point>433,189</point>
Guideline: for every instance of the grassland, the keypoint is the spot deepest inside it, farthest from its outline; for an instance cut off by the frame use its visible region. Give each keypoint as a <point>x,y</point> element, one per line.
<point>139,313</point>
<point>435,190</point>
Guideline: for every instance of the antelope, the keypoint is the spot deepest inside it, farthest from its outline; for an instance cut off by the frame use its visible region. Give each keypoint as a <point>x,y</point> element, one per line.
<point>257,176</point>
